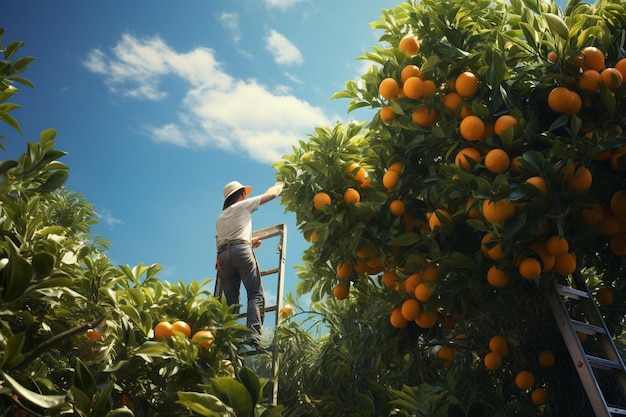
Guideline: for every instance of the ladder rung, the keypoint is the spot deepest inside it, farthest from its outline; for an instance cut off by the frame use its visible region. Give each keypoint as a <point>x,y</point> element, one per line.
<point>571,292</point>
<point>617,411</point>
<point>270,272</point>
<point>602,363</point>
<point>586,328</point>
<point>266,310</point>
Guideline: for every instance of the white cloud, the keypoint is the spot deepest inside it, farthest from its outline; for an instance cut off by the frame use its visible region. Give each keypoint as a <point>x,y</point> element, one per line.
<point>107,218</point>
<point>282,4</point>
<point>217,110</point>
<point>284,52</point>
<point>231,22</point>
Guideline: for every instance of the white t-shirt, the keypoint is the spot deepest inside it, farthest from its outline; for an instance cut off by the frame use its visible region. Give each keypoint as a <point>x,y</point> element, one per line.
<point>235,223</point>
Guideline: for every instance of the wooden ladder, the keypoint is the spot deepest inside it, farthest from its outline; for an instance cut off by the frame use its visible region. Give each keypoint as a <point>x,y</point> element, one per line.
<point>587,365</point>
<point>279,231</point>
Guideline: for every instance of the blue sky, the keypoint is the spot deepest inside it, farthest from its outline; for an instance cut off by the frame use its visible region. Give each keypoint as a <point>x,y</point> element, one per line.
<point>158,107</point>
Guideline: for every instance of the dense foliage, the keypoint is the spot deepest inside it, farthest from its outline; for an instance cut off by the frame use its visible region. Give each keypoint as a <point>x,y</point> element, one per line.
<point>77,334</point>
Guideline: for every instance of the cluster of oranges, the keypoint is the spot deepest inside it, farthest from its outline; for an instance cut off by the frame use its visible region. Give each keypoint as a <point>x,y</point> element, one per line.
<point>166,330</point>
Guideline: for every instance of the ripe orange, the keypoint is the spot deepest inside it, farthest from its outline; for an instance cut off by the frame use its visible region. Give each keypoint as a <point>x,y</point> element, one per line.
<point>388,88</point>
<point>344,271</point>
<point>564,264</point>
<point>430,272</point>
<point>409,45</point>
<point>313,236</point>
<point>163,330</point>
<point>497,161</point>
<point>387,114</point>
<point>553,57</point>
<point>524,380</point>
<point>529,268</point>
<point>492,246</point>
<point>435,220</point>
<point>493,361</point>
<point>429,89</point>
<point>497,277</point>
<point>539,183</point>
<point>412,282</point>
<point>503,123</point>
<point>204,338</point>
<point>467,157</point>
<point>351,196</point>
<point>578,179</point>
<point>618,160</point>
<point>604,296</point>
<point>389,279</point>
<point>424,116</point>
<point>452,102</point>
<point>446,355</point>
<point>499,345</point>
<point>612,78</point>
<point>592,58</point>
<point>341,291</point>
<point>409,71</point>
<point>546,359</point>
<point>618,244</point>
<point>557,245</point>
<point>320,200</point>
<point>564,101</point>
<point>609,226</point>
<point>423,292</point>
<point>498,211</point>
<point>547,259</point>
<point>286,311</point>
<point>466,84</point>
<point>390,179</point>
<point>590,80</point>
<point>592,213</point>
<point>397,319</point>
<point>539,396</point>
<point>411,309</point>
<point>94,334</point>
<point>621,67</point>
<point>426,320</point>
<point>413,87</point>
<point>618,203</point>
<point>472,128</point>
<point>397,208</point>
<point>396,166</point>
<point>181,326</point>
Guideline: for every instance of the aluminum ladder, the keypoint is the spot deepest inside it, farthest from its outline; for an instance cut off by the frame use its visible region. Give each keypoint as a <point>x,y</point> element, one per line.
<point>279,231</point>
<point>587,365</point>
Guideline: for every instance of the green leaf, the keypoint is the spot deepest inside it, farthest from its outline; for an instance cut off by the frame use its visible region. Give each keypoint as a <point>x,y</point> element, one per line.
<point>43,264</point>
<point>557,25</point>
<point>15,277</point>
<point>7,165</point>
<point>13,351</point>
<point>152,349</point>
<point>204,404</point>
<point>233,393</point>
<point>252,383</point>
<point>54,181</point>
<point>43,401</point>
<point>120,412</point>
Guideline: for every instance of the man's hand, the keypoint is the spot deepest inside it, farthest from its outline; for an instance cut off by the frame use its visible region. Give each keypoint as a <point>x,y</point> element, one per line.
<point>256,242</point>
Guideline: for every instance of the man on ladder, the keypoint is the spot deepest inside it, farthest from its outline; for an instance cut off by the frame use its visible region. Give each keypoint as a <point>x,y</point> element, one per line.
<point>236,261</point>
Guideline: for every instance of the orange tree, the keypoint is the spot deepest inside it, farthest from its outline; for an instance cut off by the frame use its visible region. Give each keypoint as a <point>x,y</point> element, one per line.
<point>492,167</point>
<point>80,336</point>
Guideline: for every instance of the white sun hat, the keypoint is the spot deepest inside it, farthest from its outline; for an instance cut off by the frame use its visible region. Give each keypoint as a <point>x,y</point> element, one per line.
<point>233,187</point>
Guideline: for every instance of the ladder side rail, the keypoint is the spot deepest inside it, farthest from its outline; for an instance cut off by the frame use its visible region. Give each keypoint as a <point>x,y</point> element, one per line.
<point>282,254</point>
<point>605,339</point>
<point>577,353</point>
